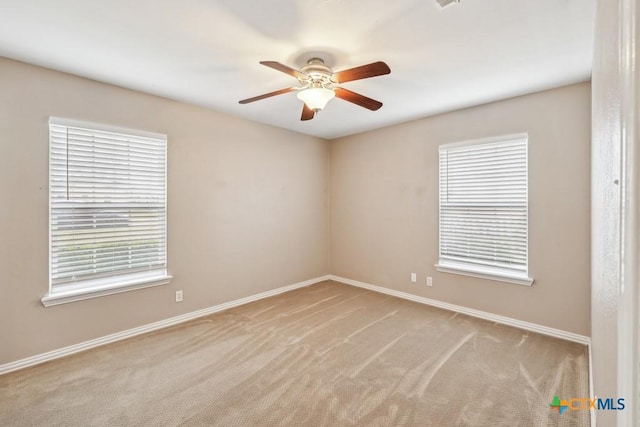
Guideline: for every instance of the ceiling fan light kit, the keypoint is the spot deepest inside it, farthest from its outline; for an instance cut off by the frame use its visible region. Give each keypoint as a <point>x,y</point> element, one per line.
<point>316,98</point>
<point>320,85</point>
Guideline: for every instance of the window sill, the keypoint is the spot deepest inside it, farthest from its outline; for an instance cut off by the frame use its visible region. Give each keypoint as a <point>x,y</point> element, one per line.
<point>484,274</point>
<point>99,288</point>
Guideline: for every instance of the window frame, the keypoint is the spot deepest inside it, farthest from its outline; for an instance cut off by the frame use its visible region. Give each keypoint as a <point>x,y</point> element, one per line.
<point>489,272</point>
<point>110,284</point>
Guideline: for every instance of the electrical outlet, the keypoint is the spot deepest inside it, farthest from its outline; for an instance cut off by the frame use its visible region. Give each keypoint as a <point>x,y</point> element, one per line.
<point>429,281</point>
<point>414,277</point>
<point>178,296</point>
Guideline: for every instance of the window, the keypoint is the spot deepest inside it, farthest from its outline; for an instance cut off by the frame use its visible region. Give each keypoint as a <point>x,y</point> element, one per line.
<point>107,211</point>
<point>483,209</point>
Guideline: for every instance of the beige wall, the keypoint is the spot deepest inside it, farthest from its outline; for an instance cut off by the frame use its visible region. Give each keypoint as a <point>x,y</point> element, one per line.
<point>384,207</point>
<point>247,208</point>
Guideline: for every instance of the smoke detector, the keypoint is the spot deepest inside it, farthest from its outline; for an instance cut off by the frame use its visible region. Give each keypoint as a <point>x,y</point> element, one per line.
<point>444,3</point>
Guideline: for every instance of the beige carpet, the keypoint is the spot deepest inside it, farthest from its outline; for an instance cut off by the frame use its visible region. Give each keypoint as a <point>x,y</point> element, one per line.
<point>325,355</point>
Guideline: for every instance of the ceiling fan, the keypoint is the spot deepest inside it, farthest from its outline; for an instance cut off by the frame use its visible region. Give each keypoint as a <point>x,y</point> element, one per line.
<point>319,85</point>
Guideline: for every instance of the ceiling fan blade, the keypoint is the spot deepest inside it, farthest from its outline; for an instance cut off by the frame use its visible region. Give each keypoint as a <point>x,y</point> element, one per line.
<point>363,72</point>
<point>357,99</point>
<point>268,95</point>
<point>287,70</point>
<point>307,113</point>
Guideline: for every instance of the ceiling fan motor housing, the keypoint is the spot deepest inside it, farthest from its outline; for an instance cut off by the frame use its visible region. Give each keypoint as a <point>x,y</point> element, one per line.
<point>318,72</point>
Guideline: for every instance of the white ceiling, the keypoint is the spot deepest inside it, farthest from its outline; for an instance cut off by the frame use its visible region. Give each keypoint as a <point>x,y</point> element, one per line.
<point>206,52</point>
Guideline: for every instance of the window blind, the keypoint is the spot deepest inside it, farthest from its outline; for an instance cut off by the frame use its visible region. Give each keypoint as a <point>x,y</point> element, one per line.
<point>483,206</point>
<point>107,195</point>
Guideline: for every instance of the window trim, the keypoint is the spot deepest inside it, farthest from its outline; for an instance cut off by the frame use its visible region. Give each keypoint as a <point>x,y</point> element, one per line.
<point>110,285</point>
<point>489,273</point>
<point>104,286</point>
<point>465,270</point>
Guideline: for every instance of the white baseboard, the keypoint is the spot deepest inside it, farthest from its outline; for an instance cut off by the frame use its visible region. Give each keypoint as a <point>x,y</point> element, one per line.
<point>533,327</point>
<point>66,351</point>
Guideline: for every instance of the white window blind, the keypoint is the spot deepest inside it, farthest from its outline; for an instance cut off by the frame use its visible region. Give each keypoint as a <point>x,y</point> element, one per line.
<point>483,207</point>
<point>107,194</point>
